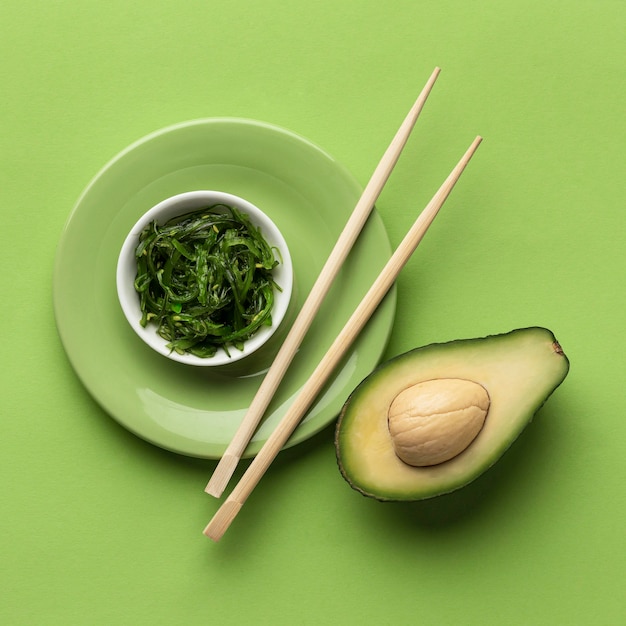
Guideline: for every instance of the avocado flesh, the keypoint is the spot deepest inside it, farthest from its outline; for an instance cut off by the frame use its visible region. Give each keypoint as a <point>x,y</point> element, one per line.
<point>519,370</point>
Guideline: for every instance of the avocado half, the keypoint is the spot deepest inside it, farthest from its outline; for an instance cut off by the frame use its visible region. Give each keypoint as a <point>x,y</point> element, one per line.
<point>518,370</point>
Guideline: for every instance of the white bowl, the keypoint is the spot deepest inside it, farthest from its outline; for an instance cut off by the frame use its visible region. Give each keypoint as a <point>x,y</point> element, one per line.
<point>178,205</point>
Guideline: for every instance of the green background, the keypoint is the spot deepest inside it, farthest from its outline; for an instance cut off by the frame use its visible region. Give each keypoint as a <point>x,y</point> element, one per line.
<point>99,527</point>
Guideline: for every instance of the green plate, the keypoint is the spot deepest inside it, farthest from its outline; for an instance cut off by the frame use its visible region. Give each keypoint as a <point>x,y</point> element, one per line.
<point>195,411</point>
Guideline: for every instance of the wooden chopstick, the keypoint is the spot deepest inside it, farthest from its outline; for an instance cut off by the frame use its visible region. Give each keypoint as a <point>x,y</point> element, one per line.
<point>232,505</point>
<point>233,453</point>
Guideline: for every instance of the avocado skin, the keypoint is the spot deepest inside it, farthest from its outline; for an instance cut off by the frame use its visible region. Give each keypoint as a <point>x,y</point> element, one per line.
<point>461,357</point>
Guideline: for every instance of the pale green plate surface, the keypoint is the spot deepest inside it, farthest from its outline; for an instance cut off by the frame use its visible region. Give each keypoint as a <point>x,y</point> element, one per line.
<point>308,195</point>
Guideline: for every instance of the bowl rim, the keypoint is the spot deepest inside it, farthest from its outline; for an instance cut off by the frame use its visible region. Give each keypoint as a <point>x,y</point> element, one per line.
<point>180,204</point>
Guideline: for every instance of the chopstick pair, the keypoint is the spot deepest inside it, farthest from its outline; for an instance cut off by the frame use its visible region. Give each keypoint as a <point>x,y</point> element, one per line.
<point>228,463</point>
<point>225,468</point>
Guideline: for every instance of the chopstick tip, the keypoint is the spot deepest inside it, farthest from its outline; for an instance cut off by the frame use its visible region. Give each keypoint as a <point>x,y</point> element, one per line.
<point>222,474</point>
<point>222,519</point>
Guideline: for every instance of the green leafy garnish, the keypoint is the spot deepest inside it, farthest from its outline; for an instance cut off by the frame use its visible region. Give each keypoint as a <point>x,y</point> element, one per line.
<point>205,280</point>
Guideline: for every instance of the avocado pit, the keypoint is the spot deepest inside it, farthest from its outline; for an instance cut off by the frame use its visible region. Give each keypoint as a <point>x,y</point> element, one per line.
<point>433,421</point>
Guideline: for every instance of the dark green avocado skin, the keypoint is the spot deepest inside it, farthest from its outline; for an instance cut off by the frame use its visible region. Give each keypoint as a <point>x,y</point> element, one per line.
<point>520,369</point>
